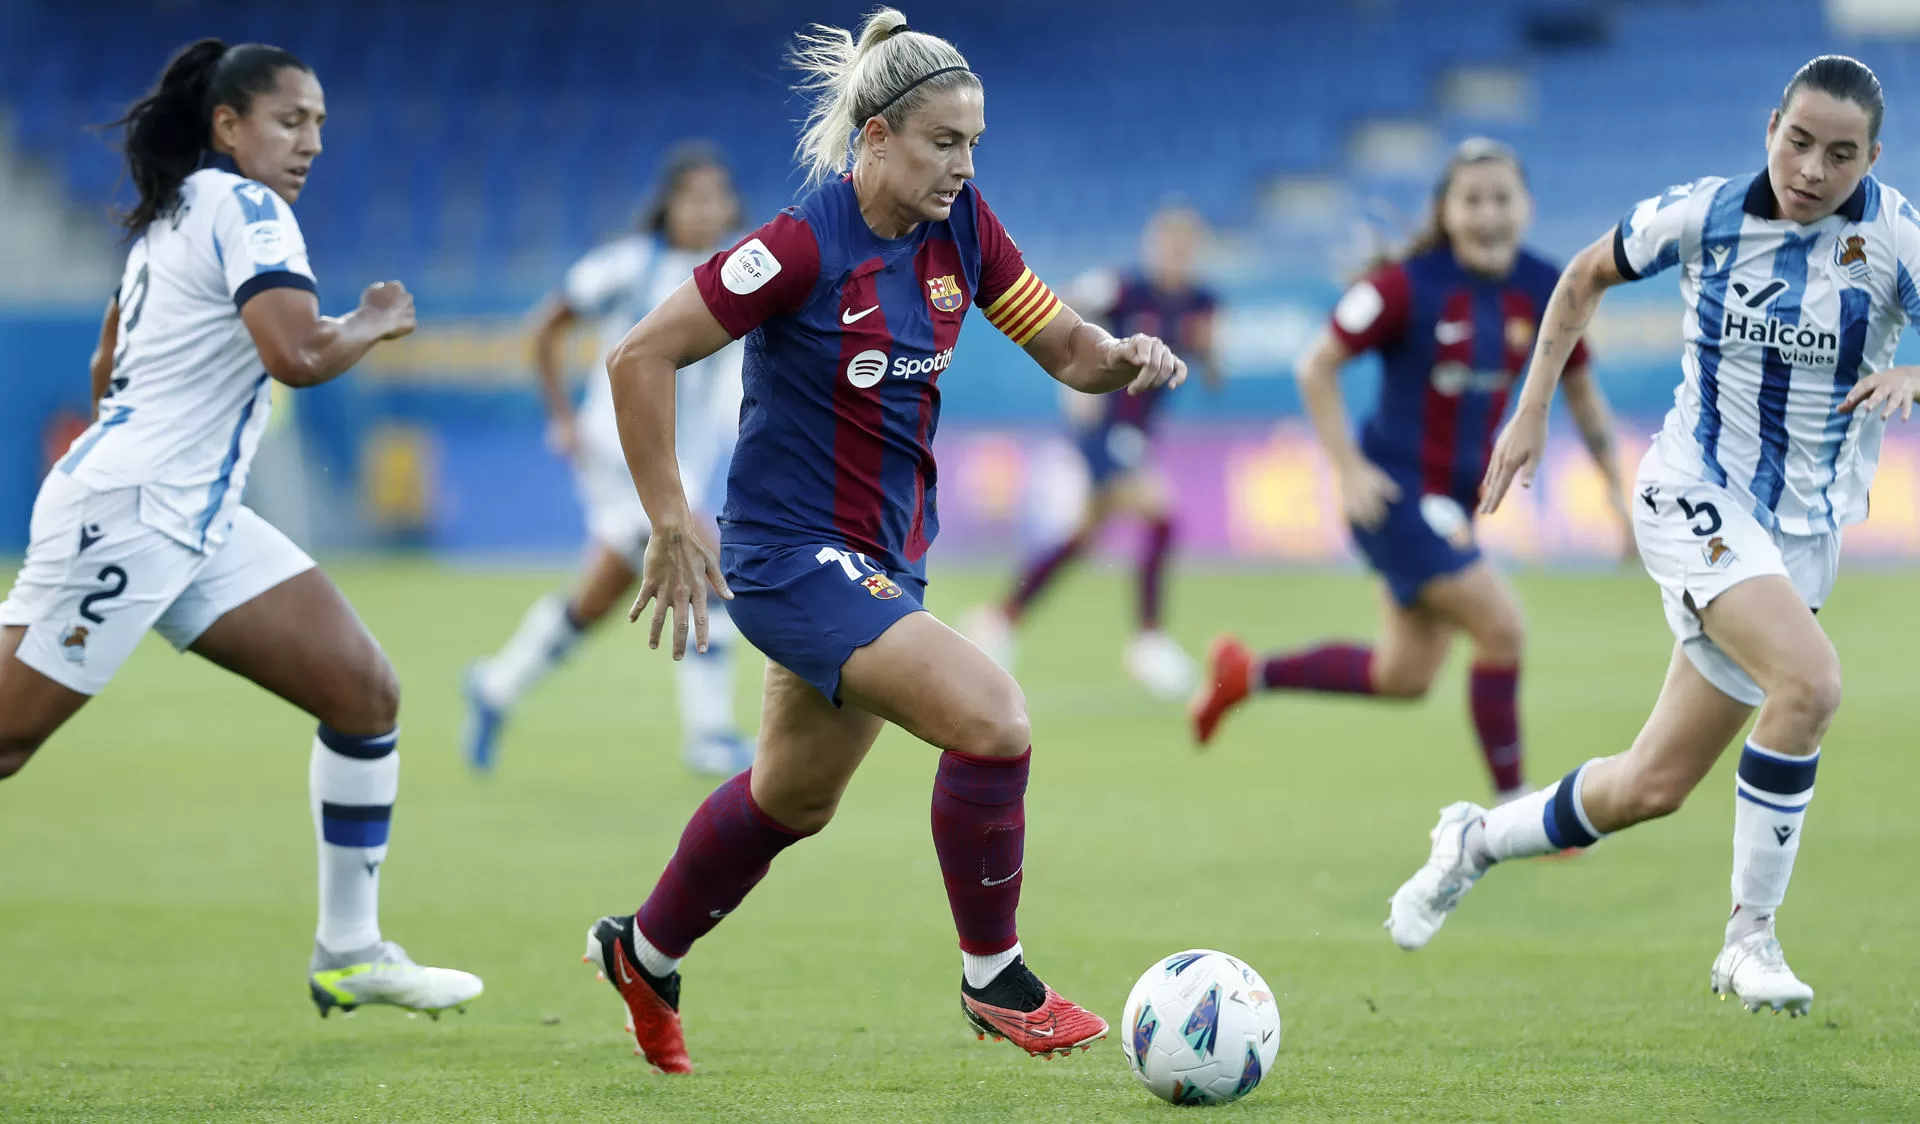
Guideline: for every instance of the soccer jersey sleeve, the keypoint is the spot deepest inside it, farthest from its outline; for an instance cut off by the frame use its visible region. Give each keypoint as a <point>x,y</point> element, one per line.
<point>1011,296</point>
<point>258,244</point>
<point>593,285</point>
<point>1373,313</point>
<point>1648,240</point>
<point>768,273</point>
<point>1906,259</point>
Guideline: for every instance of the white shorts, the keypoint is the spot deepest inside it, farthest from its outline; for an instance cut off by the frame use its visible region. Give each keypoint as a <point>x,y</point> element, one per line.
<point>1699,540</point>
<point>615,517</point>
<point>96,579</point>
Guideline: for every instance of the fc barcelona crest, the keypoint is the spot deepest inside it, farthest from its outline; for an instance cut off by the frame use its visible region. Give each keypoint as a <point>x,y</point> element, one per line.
<point>881,586</point>
<point>944,293</point>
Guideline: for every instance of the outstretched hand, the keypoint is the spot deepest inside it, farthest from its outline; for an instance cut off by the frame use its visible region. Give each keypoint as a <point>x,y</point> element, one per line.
<point>1885,391</point>
<point>674,576</point>
<point>1517,453</point>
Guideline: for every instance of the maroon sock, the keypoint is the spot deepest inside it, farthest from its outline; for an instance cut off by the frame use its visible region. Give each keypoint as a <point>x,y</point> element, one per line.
<point>1153,563</point>
<point>1494,693</point>
<point>1345,669</point>
<point>980,834</point>
<point>1037,576</point>
<point>723,853</point>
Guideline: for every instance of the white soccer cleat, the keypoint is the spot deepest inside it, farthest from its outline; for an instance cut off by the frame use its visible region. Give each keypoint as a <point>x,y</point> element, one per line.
<point>1754,971</point>
<point>386,974</point>
<point>1157,662</point>
<point>992,633</point>
<point>1421,904</point>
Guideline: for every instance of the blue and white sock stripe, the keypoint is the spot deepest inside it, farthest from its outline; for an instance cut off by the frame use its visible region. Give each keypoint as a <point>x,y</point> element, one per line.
<point>1775,780</point>
<point>357,746</point>
<point>1566,821</point>
<point>355,825</point>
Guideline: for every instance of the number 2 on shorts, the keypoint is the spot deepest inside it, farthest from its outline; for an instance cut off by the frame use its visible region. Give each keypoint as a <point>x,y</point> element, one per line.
<point>116,580</point>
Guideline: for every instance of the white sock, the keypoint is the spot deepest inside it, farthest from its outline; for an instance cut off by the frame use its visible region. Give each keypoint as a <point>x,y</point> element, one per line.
<point>351,784</point>
<point>1772,792</point>
<point>704,681</point>
<point>981,970</point>
<point>655,962</point>
<point>1539,823</point>
<point>545,638</point>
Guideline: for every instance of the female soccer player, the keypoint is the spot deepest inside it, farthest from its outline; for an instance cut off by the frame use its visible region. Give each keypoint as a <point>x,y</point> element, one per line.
<point>1112,434</point>
<point>850,303</point>
<point>1798,281</point>
<point>140,525</point>
<point>1454,320</point>
<point>692,209</point>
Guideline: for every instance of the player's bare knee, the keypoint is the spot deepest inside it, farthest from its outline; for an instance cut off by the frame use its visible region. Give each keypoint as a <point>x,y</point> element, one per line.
<point>15,749</point>
<point>1807,700</point>
<point>1499,640</point>
<point>997,728</point>
<point>803,812</point>
<point>365,699</point>
<point>1402,683</point>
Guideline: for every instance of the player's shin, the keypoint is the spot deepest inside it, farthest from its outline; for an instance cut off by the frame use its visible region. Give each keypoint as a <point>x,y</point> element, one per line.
<point>352,783</point>
<point>546,637</point>
<point>704,680</point>
<point>1539,823</point>
<point>1493,694</point>
<point>1344,669</point>
<point>979,833</point>
<point>1772,792</point>
<point>1153,566</point>
<point>723,853</point>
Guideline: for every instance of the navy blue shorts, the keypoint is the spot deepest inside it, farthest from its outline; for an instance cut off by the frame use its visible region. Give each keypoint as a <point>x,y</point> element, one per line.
<point>1112,450</point>
<point>809,608</point>
<point>1422,538</point>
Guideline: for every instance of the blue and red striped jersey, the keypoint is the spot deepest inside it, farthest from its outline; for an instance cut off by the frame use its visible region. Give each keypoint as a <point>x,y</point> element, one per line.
<point>1452,345</point>
<point>1177,316</point>
<point>847,334</point>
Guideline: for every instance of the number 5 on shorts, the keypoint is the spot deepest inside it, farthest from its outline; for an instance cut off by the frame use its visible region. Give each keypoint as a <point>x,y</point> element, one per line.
<point>1698,511</point>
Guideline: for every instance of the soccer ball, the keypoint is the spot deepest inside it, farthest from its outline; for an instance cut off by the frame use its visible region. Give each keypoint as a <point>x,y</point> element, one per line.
<point>1200,1028</point>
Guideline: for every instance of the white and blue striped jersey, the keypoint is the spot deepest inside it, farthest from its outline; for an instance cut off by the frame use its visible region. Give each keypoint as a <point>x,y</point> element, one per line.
<point>617,284</point>
<point>189,397</point>
<point>1781,321</point>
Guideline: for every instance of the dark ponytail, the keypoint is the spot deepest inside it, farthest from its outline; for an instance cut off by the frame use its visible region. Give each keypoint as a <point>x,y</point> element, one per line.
<point>1844,79</point>
<point>167,130</point>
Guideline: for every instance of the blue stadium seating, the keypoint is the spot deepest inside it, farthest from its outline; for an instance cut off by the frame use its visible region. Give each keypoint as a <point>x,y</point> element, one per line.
<point>476,147</point>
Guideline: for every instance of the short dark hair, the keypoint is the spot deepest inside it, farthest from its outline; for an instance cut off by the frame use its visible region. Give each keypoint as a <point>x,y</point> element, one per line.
<point>166,131</point>
<point>1845,79</point>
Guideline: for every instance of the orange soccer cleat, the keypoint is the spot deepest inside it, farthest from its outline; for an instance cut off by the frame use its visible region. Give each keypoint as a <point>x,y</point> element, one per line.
<point>1016,1006</point>
<point>653,1002</point>
<point>1229,681</point>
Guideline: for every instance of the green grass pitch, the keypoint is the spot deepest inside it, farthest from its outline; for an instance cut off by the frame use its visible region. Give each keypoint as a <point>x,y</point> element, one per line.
<point>156,891</point>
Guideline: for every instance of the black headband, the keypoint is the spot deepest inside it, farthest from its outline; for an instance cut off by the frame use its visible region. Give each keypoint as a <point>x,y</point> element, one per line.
<point>909,88</point>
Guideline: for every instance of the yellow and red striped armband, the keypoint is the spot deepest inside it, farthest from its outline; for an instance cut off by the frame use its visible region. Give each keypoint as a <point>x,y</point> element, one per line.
<point>1024,309</point>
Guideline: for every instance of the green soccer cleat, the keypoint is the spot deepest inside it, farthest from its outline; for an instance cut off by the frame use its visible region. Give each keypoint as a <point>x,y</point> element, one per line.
<point>384,973</point>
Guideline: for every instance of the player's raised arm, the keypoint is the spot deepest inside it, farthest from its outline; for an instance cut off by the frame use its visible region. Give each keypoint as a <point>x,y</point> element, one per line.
<point>1589,275</point>
<point>1079,354</point>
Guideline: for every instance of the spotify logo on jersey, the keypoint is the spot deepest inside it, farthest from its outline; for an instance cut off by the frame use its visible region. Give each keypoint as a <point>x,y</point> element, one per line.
<point>867,369</point>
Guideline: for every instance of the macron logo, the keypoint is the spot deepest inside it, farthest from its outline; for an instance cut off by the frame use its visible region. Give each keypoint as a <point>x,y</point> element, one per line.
<point>1783,833</point>
<point>1719,255</point>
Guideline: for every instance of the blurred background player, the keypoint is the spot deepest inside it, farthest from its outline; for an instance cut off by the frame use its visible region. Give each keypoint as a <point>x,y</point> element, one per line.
<point>1114,435</point>
<point>1454,319</point>
<point>852,302</point>
<point>691,211</point>
<point>140,527</point>
<point>1799,283</point>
